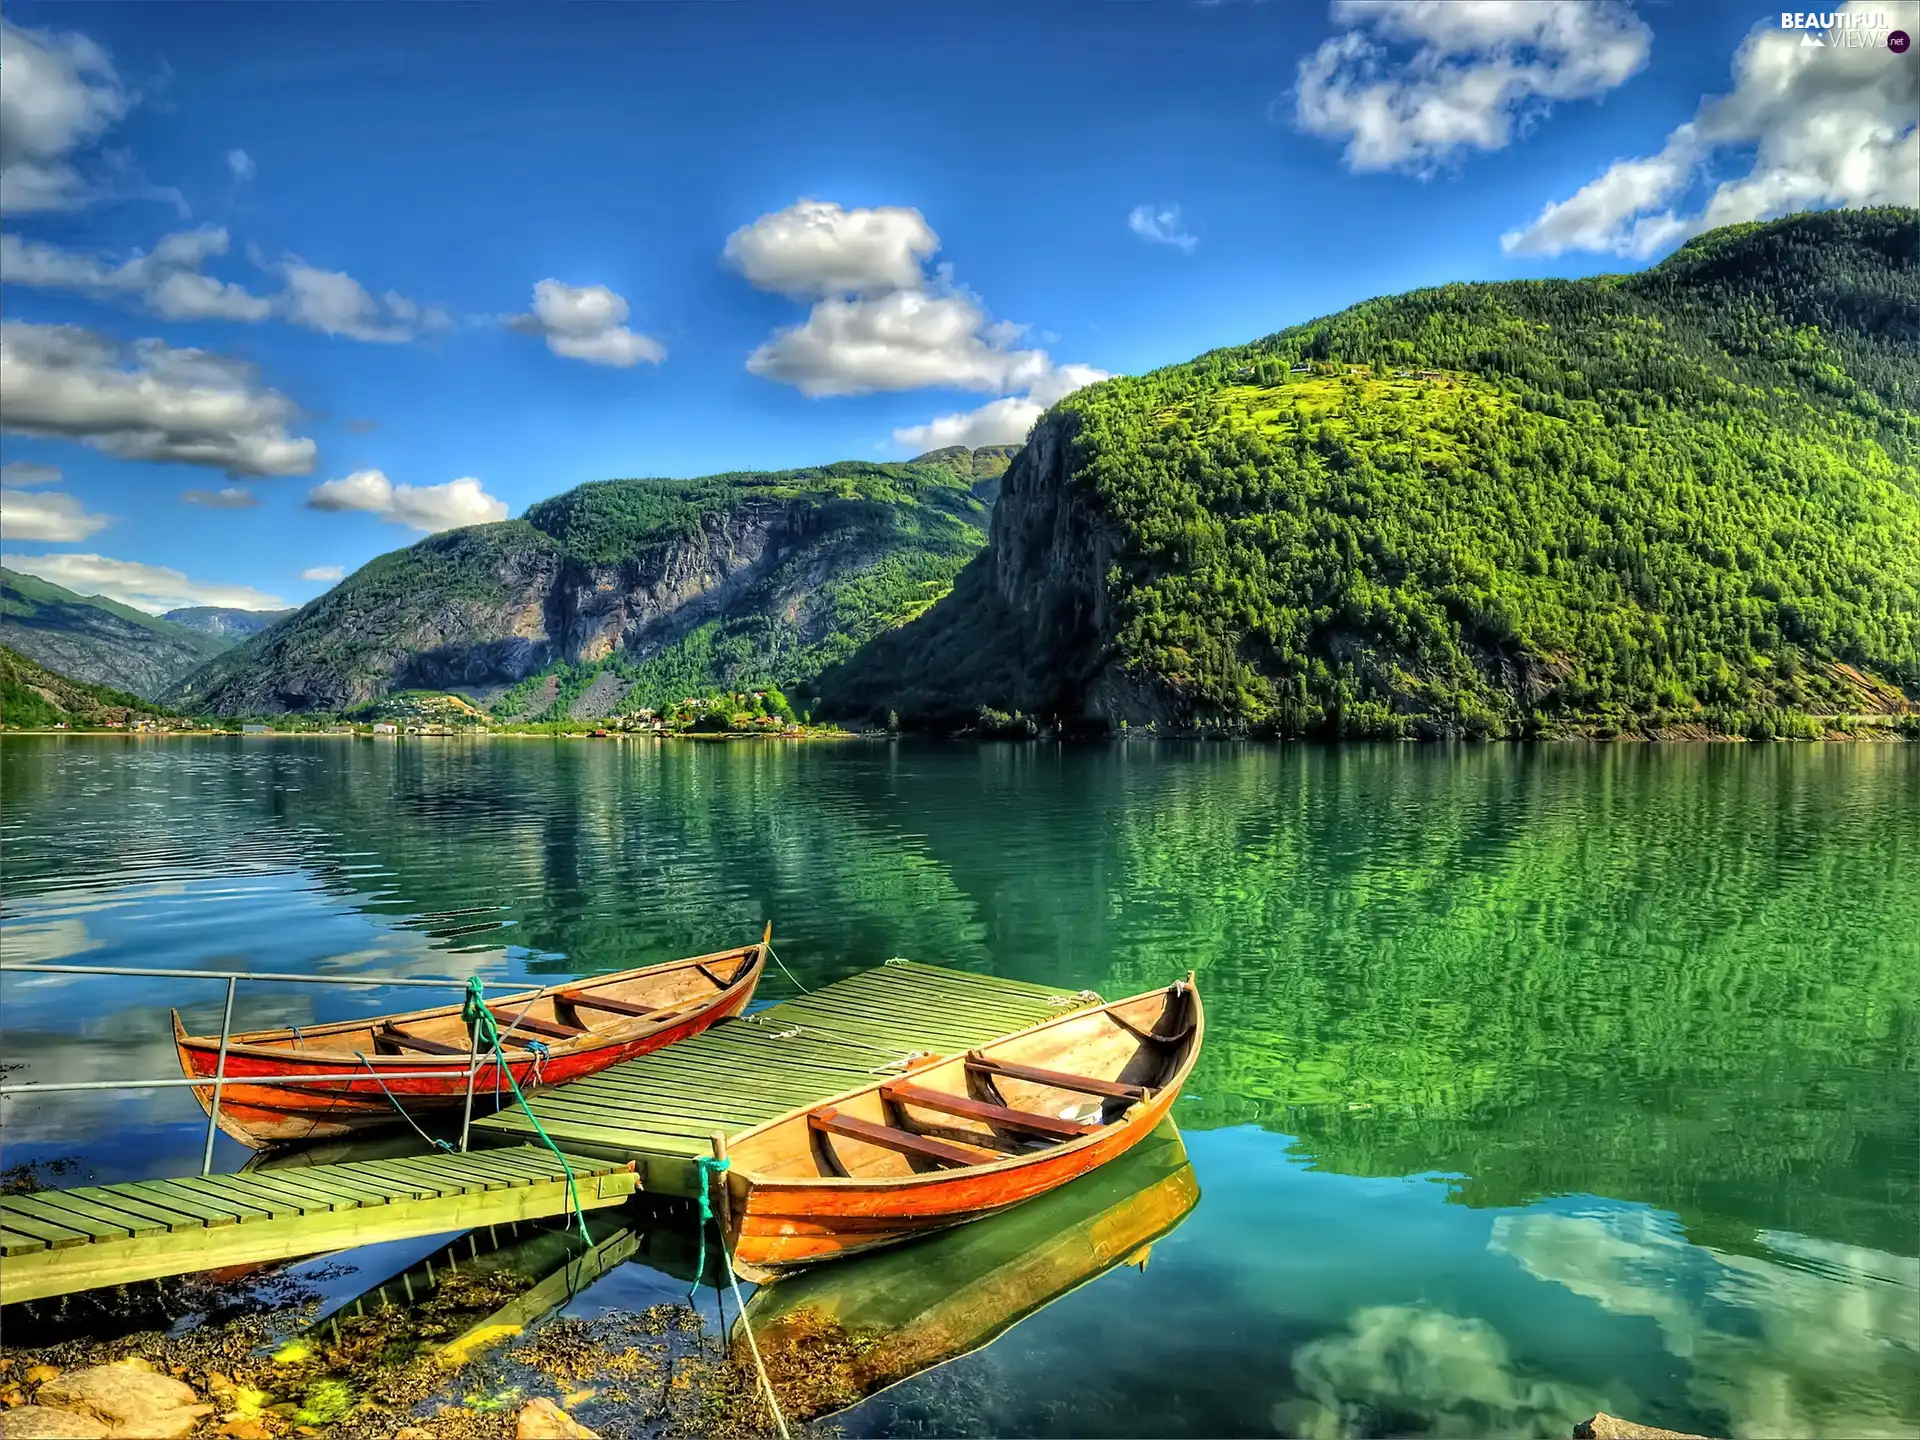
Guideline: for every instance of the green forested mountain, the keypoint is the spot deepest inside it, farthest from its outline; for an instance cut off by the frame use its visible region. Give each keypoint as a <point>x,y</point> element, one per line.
<point>625,594</point>
<point>97,640</point>
<point>1684,497</point>
<point>33,696</point>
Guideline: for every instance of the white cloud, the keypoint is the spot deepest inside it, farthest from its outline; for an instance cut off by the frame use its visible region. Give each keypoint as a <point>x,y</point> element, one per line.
<point>587,322</point>
<point>326,573</point>
<point>228,497</point>
<point>19,474</point>
<point>153,588</point>
<point>1162,227</point>
<point>1824,125</point>
<point>335,303</point>
<point>814,248</point>
<point>903,340</point>
<point>1480,70</point>
<point>46,515</point>
<point>60,94</point>
<point>880,322</point>
<point>168,281</point>
<point>424,507</point>
<point>146,401</point>
<point>241,166</point>
<point>1000,422</point>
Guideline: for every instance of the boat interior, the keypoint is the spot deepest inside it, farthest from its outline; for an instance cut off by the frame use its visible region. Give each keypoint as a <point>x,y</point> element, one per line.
<point>592,1009</point>
<point>1011,1098</point>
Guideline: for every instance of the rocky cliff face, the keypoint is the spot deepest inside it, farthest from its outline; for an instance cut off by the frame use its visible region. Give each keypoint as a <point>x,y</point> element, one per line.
<point>95,640</point>
<point>1028,624</point>
<point>764,571</point>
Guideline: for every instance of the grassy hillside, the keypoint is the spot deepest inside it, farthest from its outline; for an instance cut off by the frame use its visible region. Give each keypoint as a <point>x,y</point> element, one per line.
<point>1689,496</point>
<point>98,640</point>
<point>34,697</point>
<point>624,594</point>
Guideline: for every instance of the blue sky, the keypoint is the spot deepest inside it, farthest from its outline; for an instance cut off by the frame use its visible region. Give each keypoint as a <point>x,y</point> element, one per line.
<point>1008,201</point>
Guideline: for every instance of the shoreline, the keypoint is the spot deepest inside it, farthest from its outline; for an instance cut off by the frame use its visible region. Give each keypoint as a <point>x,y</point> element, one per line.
<point>1888,734</point>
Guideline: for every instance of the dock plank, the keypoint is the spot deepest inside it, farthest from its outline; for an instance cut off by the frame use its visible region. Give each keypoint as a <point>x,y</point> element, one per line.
<point>207,1222</point>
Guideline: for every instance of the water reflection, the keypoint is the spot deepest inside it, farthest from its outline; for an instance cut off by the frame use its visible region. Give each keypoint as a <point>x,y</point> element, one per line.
<point>836,1334</point>
<point>1671,983</point>
<point>1813,1338</point>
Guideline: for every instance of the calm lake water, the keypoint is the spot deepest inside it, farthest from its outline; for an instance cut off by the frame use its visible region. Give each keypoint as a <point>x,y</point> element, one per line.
<point>1538,1081</point>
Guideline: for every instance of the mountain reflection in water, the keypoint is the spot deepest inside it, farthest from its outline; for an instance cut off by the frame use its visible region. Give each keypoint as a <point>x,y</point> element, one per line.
<point>1538,1079</point>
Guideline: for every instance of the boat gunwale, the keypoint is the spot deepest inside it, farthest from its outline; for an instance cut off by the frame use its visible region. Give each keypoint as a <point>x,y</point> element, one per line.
<point>1156,1106</point>
<point>257,1044</point>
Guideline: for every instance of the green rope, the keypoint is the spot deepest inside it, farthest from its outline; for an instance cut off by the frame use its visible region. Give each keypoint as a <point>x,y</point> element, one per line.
<point>481,1020</point>
<point>705,1169</point>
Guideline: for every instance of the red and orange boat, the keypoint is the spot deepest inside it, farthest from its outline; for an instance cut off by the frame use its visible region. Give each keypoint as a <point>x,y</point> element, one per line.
<point>548,1036</point>
<point>960,1137</point>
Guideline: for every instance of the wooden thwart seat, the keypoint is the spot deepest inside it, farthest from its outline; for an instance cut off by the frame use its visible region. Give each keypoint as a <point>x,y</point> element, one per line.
<point>392,1036</point>
<point>581,1000</point>
<point>944,1152</point>
<point>536,1027</point>
<point>1051,1126</point>
<point>1055,1079</point>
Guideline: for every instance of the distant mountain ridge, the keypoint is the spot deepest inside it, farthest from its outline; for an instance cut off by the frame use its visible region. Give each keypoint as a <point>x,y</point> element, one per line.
<point>621,594</point>
<point>1684,499</point>
<point>96,640</point>
<point>225,621</point>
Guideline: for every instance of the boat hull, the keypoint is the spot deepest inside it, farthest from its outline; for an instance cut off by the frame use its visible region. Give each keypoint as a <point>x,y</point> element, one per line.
<point>260,1113</point>
<point>781,1224</point>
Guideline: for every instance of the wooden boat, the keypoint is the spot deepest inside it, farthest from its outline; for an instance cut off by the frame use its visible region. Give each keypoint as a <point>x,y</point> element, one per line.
<point>835,1334</point>
<point>551,1035</point>
<point>960,1137</point>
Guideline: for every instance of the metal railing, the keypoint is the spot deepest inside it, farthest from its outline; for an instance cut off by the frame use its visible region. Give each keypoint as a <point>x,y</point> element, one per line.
<point>219,1078</point>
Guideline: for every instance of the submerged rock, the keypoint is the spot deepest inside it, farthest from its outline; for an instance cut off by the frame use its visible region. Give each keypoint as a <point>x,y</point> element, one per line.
<point>39,1422</point>
<point>129,1398</point>
<point>541,1419</point>
<point>1611,1427</point>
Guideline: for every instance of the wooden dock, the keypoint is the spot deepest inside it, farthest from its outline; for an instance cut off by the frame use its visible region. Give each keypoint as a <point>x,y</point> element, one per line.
<point>660,1110</point>
<point>641,1123</point>
<point>57,1241</point>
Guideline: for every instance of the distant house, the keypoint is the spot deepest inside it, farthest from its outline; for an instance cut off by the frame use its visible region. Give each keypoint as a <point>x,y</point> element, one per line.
<point>1299,369</point>
<point>386,727</point>
<point>253,729</point>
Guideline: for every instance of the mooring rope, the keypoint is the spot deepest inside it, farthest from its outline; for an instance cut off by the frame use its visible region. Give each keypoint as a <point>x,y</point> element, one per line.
<point>392,1100</point>
<point>786,972</point>
<point>481,1020</point>
<point>706,1167</point>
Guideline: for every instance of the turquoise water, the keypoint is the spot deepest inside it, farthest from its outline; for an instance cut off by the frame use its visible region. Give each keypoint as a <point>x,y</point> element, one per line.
<point>1538,1081</point>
